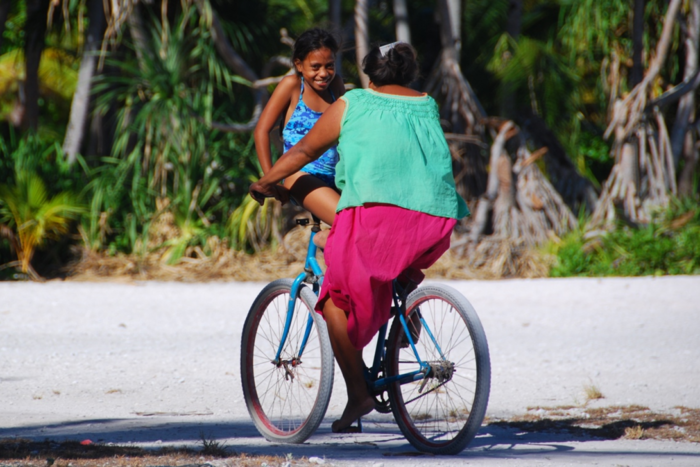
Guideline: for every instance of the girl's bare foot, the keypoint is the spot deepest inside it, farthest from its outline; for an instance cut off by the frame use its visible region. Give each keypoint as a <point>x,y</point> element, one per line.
<point>352,412</point>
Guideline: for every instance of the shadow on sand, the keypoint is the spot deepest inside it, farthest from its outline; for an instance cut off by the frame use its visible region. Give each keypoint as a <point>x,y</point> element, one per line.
<point>134,437</point>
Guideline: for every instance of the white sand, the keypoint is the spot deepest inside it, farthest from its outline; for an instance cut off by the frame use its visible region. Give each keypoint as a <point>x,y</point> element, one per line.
<point>157,363</point>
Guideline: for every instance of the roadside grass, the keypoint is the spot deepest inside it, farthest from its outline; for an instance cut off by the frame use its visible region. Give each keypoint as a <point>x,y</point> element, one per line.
<point>211,447</point>
<point>592,393</point>
<point>614,422</point>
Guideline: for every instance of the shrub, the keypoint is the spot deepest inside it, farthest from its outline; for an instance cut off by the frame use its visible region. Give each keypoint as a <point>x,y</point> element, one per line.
<point>670,245</point>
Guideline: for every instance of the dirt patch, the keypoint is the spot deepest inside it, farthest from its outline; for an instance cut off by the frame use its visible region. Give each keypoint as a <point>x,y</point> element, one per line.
<point>615,422</point>
<point>19,452</point>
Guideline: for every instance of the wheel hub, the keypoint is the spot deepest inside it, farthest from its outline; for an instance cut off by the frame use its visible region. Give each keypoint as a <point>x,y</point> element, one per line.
<point>441,370</point>
<point>289,366</point>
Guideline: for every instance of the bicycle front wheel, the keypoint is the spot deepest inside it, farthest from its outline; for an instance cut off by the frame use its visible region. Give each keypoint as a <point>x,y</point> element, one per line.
<point>441,412</point>
<point>286,397</point>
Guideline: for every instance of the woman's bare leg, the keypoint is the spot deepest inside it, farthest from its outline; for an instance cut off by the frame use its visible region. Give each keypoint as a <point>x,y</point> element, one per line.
<point>351,365</point>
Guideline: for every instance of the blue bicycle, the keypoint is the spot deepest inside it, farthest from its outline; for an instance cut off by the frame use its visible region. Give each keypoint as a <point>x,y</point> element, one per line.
<point>432,369</point>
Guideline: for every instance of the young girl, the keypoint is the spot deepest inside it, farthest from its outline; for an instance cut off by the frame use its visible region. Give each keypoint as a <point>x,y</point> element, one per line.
<point>301,99</point>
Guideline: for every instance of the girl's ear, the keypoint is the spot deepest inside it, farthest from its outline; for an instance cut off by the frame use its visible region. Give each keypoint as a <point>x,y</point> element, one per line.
<point>297,65</point>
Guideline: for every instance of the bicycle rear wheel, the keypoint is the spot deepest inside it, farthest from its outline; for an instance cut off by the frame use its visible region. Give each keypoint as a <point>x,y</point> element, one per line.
<point>442,412</point>
<point>286,398</point>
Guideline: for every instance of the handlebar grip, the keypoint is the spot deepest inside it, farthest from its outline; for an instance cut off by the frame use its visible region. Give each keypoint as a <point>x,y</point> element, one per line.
<point>259,197</point>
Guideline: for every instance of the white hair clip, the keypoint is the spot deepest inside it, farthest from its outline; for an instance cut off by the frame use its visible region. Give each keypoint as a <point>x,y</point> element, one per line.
<point>383,50</point>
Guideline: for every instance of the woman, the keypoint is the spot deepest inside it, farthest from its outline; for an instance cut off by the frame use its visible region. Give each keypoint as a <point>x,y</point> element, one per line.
<point>397,208</point>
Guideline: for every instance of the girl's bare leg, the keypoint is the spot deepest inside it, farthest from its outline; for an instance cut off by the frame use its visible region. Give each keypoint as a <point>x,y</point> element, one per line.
<point>314,195</point>
<point>351,365</point>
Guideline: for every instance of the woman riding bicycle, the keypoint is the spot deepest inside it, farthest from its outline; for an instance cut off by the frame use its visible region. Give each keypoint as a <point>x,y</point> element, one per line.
<point>397,208</point>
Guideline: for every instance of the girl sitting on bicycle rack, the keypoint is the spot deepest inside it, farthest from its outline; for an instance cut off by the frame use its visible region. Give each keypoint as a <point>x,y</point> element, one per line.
<point>301,99</point>
<point>397,208</point>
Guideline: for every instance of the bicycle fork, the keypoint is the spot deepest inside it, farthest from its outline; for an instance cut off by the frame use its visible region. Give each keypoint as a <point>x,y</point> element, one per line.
<point>312,274</point>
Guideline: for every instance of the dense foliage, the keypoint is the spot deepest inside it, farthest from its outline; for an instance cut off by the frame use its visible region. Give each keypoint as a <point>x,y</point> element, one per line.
<point>155,176</point>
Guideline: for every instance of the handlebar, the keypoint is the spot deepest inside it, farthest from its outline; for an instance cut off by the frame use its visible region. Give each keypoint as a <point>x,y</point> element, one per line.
<point>259,197</point>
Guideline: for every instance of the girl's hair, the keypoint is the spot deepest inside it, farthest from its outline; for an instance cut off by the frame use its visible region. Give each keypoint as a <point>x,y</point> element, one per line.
<point>313,39</point>
<point>397,66</point>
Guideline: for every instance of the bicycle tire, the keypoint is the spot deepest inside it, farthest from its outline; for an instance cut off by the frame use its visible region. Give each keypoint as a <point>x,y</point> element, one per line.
<point>286,402</point>
<point>446,415</point>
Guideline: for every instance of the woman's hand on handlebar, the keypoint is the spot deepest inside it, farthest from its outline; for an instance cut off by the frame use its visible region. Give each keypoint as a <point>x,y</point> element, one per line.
<point>259,192</point>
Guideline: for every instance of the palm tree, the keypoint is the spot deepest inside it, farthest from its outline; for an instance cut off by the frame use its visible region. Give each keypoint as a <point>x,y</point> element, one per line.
<point>361,37</point>
<point>81,98</point>
<point>403,32</point>
<point>34,216</point>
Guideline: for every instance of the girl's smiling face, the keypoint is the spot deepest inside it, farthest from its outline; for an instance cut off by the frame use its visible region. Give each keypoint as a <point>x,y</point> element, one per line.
<point>318,68</point>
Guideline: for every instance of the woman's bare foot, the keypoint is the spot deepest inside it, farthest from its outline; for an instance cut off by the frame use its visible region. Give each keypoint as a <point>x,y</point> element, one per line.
<point>320,238</point>
<point>352,412</point>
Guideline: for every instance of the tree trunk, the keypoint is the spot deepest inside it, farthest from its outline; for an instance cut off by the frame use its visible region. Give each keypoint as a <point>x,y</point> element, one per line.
<point>234,61</point>
<point>335,18</point>
<point>486,202</point>
<point>403,31</point>
<point>81,99</point>
<point>4,12</point>
<point>455,16</point>
<point>637,43</point>
<point>361,38</point>
<point>461,106</point>
<point>138,34</point>
<point>682,141</point>
<point>515,10</point>
<point>35,32</point>
<point>575,189</point>
<point>448,39</point>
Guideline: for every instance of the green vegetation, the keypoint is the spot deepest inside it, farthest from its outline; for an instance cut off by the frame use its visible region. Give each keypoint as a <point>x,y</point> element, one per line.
<point>160,173</point>
<point>33,216</point>
<point>670,245</point>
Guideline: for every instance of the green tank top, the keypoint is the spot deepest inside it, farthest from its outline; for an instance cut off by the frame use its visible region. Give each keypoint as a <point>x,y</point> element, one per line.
<point>393,150</point>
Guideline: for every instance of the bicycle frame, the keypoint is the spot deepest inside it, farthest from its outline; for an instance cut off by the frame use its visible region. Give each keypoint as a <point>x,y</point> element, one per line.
<point>313,274</point>
<point>378,384</point>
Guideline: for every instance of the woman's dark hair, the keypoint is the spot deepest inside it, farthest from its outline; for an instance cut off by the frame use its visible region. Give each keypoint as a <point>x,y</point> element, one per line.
<point>313,39</point>
<point>397,66</point>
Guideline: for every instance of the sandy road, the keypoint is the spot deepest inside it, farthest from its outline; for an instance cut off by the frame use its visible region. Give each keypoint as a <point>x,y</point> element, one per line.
<point>157,363</point>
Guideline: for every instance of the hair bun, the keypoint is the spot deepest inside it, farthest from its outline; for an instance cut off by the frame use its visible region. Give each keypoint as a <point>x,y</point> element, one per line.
<point>397,65</point>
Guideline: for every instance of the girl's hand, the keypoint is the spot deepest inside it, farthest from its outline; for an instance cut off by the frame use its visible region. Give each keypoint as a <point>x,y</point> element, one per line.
<point>259,191</point>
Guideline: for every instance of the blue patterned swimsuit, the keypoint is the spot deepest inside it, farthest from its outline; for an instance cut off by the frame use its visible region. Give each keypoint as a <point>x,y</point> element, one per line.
<point>302,120</point>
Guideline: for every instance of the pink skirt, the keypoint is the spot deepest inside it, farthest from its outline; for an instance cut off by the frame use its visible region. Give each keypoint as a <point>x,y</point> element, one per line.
<point>370,246</point>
